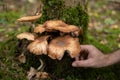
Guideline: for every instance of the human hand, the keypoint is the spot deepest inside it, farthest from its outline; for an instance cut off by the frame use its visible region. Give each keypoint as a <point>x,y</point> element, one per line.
<point>95,58</point>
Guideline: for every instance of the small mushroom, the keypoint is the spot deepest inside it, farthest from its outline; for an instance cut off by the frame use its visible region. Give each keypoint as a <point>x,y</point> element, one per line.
<point>58,46</point>
<point>53,24</point>
<point>39,29</point>
<point>39,46</point>
<point>26,35</point>
<point>21,58</point>
<point>29,18</point>
<point>70,29</point>
<point>31,73</point>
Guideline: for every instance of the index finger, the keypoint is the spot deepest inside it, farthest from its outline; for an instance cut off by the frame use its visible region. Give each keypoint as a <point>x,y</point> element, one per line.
<point>90,48</point>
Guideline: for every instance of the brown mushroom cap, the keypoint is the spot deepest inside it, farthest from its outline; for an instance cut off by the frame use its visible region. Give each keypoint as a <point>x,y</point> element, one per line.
<point>62,27</point>
<point>58,46</point>
<point>53,24</point>
<point>39,29</point>
<point>26,35</point>
<point>29,18</point>
<point>39,46</point>
<point>70,28</point>
<point>55,52</point>
<point>57,25</point>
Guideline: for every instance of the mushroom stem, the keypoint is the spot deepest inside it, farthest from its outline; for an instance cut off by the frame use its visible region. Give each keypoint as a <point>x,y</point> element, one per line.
<point>41,67</point>
<point>31,27</point>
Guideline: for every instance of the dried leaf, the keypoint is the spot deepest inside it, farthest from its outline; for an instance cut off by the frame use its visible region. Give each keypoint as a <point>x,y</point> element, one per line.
<point>32,1</point>
<point>113,12</point>
<point>119,45</point>
<point>22,58</point>
<point>96,14</point>
<point>36,75</point>
<point>119,36</point>
<point>115,26</point>
<point>31,73</point>
<point>42,75</point>
<point>104,41</point>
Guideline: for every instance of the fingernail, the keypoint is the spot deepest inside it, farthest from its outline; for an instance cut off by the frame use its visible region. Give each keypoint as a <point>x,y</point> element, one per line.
<point>74,64</point>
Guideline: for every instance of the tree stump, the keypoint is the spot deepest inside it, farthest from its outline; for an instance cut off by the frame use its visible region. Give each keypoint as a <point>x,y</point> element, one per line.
<point>70,11</point>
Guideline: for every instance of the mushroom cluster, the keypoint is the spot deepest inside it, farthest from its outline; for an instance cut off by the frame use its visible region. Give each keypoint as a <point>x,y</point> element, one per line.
<point>52,38</point>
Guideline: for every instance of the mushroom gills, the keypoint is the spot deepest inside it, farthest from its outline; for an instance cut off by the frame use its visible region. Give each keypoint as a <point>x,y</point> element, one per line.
<point>39,46</point>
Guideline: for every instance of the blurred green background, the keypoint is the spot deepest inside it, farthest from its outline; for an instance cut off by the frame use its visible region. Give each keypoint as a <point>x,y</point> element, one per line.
<point>103,32</point>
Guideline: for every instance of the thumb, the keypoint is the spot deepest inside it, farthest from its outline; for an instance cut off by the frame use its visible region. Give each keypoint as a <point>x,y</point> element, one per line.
<point>82,63</point>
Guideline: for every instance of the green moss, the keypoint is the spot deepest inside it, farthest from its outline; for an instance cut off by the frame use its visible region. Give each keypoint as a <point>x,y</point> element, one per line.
<point>9,69</point>
<point>76,16</point>
<point>52,9</point>
<point>8,17</point>
<point>108,34</point>
<point>55,9</point>
<point>92,41</point>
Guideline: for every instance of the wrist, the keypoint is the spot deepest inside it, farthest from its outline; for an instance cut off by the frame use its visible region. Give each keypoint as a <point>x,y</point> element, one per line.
<point>108,59</point>
<point>105,60</point>
<point>112,59</point>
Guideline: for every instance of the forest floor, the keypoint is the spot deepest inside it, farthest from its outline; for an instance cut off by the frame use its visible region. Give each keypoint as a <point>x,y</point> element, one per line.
<point>103,30</point>
<point>104,23</point>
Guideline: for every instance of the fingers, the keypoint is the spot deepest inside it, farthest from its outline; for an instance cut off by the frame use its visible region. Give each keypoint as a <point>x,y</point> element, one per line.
<point>85,62</point>
<point>83,53</point>
<point>87,47</point>
<point>82,63</point>
<point>77,58</point>
<point>88,57</point>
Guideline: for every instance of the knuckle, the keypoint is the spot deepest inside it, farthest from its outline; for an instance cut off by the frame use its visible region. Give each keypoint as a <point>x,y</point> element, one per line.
<point>91,46</point>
